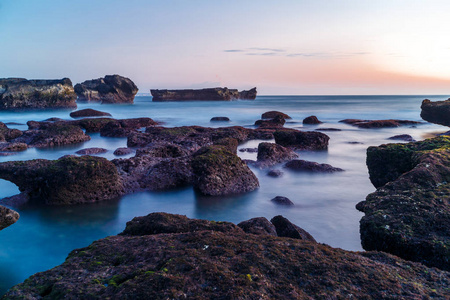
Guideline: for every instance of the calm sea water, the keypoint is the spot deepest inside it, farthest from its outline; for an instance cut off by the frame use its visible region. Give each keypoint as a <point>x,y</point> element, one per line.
<point>324,203</point>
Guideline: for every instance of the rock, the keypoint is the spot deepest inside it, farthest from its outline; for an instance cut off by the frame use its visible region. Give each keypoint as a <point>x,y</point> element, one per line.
<point>258,226</point>
<point>275,173</point>
<point>217,171</point>
<point>224,119</point>
<point>162,149</point>
<point>285,228</point>
<point>123,128</point>
<point>7,134</point>
<point>209,94</point>
<point>310,166</point>
<point>91,151</point>
<point>328,129</point>
<point>248,95</point>
<point>378,123</point>
<point>217,260</point>
<point>282,201</point>
<point>249,150</point>
<point>311,120</point>
<point>109,89</point>
<point>402,137</point>
<point>436,112</point>
<point>68,180</point>
<point>270,154</point>
<point>276,122</point>
<point>273,114</point>
<point>20,93</point>
<point>230,143</point>
<point>13,147</point>
<point>409,213</point>
<point>51,134</point>
<point>88,112</point>
<point>123,151</point>
<point>301,140</point>
<point>157,223</point>
<point>7,217</point>
<point>168,174</point>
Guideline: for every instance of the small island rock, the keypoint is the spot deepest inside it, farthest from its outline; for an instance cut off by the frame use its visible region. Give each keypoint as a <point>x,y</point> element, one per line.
<point>109,89</point>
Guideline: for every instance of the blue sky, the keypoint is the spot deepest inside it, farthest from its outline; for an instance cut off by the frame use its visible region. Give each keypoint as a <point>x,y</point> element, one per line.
<point>282,47</point>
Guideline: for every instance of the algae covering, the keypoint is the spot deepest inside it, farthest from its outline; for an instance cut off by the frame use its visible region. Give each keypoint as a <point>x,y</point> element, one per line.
<point>172,257</point>
<point>409,214</point>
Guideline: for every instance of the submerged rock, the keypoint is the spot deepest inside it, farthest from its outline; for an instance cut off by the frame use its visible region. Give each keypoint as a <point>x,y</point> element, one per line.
<point>208,94</point>
<point>91,151</point>
<point>378,123</point>
<point>409,214</point>
<point>167,256</point>
<point>20,93</point>
<point>311,120</point>
<point>220,119</point>
<point>402,137</point>
<point>301,140</point>
<point>217,171</point>
<point>311,166</point>
<point>7,217</point>
<point>109,89</point>
<point>436,112</point>
<point>282,200</point>
<point>68,180</point>
<point>275,173</point>
<point>88,112</point>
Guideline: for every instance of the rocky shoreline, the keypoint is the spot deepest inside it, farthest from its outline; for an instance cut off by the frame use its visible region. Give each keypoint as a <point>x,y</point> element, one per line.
<point>170,256</point>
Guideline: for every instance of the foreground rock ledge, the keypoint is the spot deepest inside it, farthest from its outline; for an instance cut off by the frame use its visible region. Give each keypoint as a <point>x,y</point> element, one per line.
<point>409,214</point>
<point>178,258</point>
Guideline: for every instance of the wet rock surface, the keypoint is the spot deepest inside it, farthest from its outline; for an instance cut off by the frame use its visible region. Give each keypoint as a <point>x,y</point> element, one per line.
<point>378,123</point>
<point>68,180</point>
<point>88,112</point>
<point>273,114</point>
<point>286,228</point>
<point>409,214</point>
<point>109,89</point>
<point>282,201</point>
<point>7,217</point>
<point>220,119</point>
<point>275,173</point>
<point>91,151</point>
<point>20,93</point>
<point>402,137</point>
<point>311,120</point>
<point>270,154</point>
<point>302,140</point>
<point>122,151</point>
<point>436,112</point>
<point>167,256</point>
<point>311,166</point>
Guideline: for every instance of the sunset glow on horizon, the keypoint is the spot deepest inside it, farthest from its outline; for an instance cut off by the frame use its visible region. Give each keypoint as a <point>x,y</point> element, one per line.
<point>281,47</point>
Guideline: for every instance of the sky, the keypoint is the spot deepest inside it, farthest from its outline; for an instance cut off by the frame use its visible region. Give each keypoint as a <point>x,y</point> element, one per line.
<point>283,47</point>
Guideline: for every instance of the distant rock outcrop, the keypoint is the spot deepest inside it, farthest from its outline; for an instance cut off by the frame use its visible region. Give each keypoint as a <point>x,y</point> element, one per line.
<point>20,93</point>
<point>110,89</point>
<point>7,217</point>
<point>436,112</point>
<point>164,256</point>
<point>209,94</point>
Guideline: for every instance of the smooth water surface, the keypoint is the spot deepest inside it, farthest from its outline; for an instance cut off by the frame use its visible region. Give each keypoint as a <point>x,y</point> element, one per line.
<point>324,203</point>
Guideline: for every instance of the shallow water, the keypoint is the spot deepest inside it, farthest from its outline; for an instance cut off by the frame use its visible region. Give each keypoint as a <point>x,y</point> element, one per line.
<point>324,203</point>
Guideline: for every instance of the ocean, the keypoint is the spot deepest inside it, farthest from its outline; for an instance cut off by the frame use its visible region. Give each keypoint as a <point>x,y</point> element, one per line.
<point>324,203</point>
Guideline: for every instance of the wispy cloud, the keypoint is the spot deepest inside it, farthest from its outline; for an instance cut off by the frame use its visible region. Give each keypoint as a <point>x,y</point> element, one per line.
<point>257,51</point>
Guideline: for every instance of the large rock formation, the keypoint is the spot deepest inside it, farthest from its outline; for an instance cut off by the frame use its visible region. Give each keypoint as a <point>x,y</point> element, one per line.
<point>436,112</point>
<point>209,94</point>
<point>109,89</point>
<point>68,180</point>
<point>7,217</point>
<point>20,93</point>
<point>409,214</point>
<point>164,256</point>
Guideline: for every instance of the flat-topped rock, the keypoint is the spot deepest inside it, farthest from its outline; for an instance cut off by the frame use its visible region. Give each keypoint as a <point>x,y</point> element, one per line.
<point>311,166</point>
<point>20,93</point>
<point>91,151</point>
<point>7,217</point>
<point>270,154</point>
<point>88,112</point>
<point>436,112</point>
<point>301,140</point>
<point>164,256</point>
<point>68,180</point>
<point>109,89</point>
<point>273,114</point>
<point>208,94</point>
<point>378,123</point>
<point>409,214</point>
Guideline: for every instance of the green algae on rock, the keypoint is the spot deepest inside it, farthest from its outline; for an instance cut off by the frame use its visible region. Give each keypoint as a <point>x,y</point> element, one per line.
<point>68,180</point>
<point>218,260</point>
<point>409,214</point>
